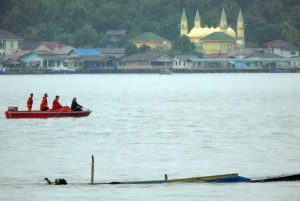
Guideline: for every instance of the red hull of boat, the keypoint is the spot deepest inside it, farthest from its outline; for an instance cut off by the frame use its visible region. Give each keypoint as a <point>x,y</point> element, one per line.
<point>44,114</point>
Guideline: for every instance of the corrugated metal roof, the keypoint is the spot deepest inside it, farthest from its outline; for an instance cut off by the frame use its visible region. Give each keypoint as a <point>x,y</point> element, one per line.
<point>19,54</point>
<point>142,57</point>
<point>147,57</point>
<point>63,51</point>
<point>112,50</point>
<point>245,60</point>
<point>87,52</point>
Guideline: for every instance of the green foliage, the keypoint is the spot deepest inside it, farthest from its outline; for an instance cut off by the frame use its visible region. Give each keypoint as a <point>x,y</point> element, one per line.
<point>183,44</point>
<point>144,49</point>
<point>84,22</point>
<point>130,49</point>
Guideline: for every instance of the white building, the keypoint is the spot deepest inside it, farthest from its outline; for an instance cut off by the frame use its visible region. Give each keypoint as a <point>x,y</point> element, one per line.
<point>283,48</point>
<point>9,43</point>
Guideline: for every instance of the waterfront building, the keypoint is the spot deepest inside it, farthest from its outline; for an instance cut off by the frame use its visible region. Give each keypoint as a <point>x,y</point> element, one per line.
<point>182,61</point>
<point>9,43</point>
<point>13,63</point>
<point>214,40</point>
<point>283,48</point>
<point>147,61</point>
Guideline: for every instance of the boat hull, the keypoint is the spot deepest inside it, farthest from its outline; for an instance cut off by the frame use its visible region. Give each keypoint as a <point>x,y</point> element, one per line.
<point>226,178</point>
<point>44,114</point>
<point>292,177</point>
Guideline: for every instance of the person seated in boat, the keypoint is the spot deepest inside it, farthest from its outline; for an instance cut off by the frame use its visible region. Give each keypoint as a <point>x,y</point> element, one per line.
<point>56,104</point>
<point>30,102</point>
<point>75,106</point>
<point>44,103</point>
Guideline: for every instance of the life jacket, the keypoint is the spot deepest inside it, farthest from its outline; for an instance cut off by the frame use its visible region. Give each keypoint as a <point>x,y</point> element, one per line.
<point>29,101</point>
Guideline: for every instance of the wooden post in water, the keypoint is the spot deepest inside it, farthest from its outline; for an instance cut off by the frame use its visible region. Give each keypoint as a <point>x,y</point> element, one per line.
<point>92,170</point>
<point>166,177</point>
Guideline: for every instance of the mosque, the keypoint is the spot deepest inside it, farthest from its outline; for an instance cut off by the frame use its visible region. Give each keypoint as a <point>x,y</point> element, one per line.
<point>214,40</point>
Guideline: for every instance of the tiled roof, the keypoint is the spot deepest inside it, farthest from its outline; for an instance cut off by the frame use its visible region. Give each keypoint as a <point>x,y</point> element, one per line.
<point>148,36</point>
<point>8,35</point>
<point>218,36</point>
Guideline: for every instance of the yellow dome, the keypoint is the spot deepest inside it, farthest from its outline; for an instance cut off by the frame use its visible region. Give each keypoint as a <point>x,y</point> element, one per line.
<point>231,32</point>
<point>196,33</point>
<point>217,29</point>
<point>211,30</point>
<point>205,31</point>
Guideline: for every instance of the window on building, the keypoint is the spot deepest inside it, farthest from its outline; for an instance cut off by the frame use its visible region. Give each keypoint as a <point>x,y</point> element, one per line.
<point>11,44</point>
<point>1,44</point>
<point>4,45</point>
<point>293,52</point>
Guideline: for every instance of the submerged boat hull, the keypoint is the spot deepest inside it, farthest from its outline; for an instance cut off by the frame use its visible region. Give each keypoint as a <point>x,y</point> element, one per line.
<point>44,114</point>
<point>226,178</point>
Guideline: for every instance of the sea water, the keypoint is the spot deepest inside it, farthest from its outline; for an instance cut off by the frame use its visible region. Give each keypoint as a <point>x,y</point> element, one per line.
<point>143,126</point>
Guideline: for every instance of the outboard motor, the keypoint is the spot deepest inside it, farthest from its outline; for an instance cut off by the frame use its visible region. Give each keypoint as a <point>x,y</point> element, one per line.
<point>10,109</point>
<point>14,109</point>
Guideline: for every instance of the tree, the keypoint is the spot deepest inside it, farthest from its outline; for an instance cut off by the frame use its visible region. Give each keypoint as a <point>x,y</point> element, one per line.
<point>144,49</point>
<point>86,37</point>
<point>64,20</point>
<point>183,44</point>
<point>130,49</point>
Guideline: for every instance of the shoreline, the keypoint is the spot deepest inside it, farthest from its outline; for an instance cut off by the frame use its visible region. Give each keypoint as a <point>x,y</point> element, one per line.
<point>158,71</point>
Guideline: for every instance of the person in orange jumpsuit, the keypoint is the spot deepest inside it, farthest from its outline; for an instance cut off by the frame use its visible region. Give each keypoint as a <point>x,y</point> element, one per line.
<point>56,104</point>
<point>30,102</point>
<point>44,103</point>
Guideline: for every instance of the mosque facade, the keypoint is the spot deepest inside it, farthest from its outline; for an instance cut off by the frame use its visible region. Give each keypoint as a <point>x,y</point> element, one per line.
<point>214,40</point>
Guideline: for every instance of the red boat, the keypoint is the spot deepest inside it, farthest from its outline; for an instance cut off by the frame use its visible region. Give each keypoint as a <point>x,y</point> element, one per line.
<point>13,113</point>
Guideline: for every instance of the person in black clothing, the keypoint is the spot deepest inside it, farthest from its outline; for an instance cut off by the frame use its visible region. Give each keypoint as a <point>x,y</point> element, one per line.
<point>75,106</point>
